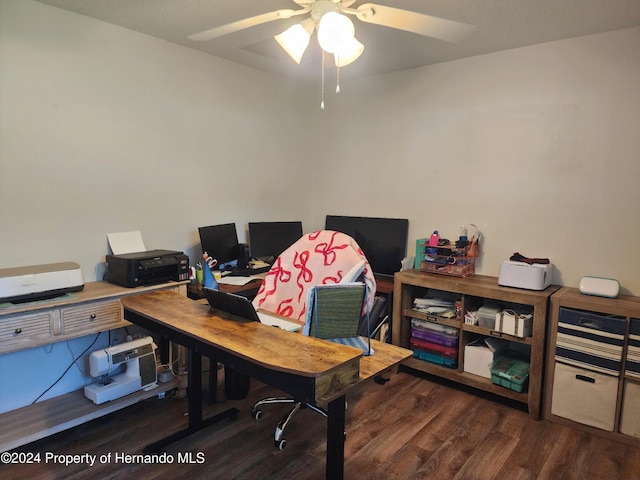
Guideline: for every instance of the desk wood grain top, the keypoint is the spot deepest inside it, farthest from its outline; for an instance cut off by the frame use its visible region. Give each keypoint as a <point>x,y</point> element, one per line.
<point>263,345</point>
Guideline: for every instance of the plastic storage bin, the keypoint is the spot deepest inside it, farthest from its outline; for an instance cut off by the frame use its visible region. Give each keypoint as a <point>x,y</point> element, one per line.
<point>511,372</point>
<point>434,336</point>
<point>438,353</point>
<point>432,326</point>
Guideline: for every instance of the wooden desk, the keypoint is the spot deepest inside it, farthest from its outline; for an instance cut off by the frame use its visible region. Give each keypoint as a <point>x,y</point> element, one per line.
<point>384,284</point>
<point>312,370</point>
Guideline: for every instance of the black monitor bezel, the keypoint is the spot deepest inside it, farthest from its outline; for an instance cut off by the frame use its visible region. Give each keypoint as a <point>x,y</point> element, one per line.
<point>366,230</point>
<point>227,250</point>
<point>288,232</point>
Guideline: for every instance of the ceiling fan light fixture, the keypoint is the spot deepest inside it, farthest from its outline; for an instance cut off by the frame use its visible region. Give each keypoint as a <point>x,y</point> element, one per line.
<point>334,31</point>
<point>348,53</point>
<point>295,39</point>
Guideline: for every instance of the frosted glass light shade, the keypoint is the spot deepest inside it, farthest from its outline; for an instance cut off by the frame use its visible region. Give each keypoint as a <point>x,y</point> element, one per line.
<point>334,30</point>
<point>349,52</point>
<point>295,39</point>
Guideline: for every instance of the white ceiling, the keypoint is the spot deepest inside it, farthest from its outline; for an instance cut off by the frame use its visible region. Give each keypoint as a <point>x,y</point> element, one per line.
<point>500,25</point>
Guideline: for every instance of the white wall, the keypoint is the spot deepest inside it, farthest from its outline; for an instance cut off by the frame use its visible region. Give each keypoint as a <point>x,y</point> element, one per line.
<point>537,146</point>
<point>107,130</point>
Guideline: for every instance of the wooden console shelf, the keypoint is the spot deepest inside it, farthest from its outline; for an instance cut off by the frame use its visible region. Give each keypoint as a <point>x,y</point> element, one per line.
<point>33,422</point>
<point>471,292</point>
<point>97,308</point>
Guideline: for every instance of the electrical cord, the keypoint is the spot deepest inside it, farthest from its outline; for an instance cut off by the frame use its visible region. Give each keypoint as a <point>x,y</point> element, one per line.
<point>67,369</point>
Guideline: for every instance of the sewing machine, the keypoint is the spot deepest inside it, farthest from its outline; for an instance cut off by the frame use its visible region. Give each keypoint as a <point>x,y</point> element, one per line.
<point>137,358</point>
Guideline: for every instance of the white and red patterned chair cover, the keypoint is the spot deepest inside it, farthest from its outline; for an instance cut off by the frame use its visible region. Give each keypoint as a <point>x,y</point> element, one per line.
<point>317,258</point>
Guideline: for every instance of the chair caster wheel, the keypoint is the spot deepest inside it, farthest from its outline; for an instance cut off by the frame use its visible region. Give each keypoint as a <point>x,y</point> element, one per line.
<point>280,444</point>
<point>256,414</point>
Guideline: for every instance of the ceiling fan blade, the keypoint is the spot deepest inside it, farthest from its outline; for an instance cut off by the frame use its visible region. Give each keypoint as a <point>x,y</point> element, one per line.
<point>419,23</point>
<point>246,23</point>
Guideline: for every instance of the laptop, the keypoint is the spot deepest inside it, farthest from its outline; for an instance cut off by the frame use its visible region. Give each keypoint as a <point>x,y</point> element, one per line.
<point>242,307</point>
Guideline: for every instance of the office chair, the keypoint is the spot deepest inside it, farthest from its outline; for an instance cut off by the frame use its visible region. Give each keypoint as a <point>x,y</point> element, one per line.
<point>334,314</point>
<point>317,258</point>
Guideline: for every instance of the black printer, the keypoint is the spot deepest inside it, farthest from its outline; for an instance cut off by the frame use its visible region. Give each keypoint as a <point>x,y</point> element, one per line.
<point>147,268</point>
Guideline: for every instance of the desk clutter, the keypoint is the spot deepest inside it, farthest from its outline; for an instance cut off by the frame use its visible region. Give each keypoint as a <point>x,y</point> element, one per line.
<point>440,336</point>
<point>441,255</point>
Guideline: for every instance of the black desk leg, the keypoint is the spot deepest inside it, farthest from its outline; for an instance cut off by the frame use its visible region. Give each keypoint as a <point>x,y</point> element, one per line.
<point>165,351</point>
<point>212,396</point>
<point>194,364</point>
<point>335,439</point>
<point>196,423</point>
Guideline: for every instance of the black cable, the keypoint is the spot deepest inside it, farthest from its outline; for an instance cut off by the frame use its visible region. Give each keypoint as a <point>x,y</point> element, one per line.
<point>68,368</point>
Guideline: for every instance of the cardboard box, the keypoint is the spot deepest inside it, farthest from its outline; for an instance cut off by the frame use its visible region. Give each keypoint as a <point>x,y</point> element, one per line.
<point>479,355</point>
<point>522,275</point>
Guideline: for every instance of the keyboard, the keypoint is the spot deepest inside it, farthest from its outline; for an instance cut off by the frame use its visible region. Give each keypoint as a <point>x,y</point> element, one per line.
<point>247,272</point>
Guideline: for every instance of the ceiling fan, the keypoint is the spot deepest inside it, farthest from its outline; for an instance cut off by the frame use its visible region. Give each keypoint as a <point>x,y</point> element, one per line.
<point>335,31</point>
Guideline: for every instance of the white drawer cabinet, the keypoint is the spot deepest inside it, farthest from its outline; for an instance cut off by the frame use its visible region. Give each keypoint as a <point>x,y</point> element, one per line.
<point>97,308</point>
<point>92,317</point>
<point>18,331</point>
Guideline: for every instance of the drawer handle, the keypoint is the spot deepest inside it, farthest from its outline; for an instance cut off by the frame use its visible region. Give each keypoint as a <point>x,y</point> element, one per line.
<point>93,316</point>
<point>18,331</point>
<point>590,323</point>
<point>584,378</point>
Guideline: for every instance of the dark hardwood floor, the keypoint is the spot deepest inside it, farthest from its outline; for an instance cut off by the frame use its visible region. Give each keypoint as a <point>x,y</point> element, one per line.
<point>409,428</point>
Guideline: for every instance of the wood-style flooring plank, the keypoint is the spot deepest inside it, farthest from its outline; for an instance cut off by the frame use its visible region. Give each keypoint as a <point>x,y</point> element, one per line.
<point>409,428</point>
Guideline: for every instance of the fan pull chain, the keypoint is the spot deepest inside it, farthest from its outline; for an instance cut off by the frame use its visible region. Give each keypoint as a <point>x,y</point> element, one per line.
<point>322,101</point>
<point>338,73</point>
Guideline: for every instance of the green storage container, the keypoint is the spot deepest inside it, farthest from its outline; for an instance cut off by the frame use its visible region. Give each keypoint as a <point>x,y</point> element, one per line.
<point>511,372</point>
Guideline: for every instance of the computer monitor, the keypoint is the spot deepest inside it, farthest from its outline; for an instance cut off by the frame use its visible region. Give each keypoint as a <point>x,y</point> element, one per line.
<point>220,242</point>
<point>267,240</point>
<point>383,240</point>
